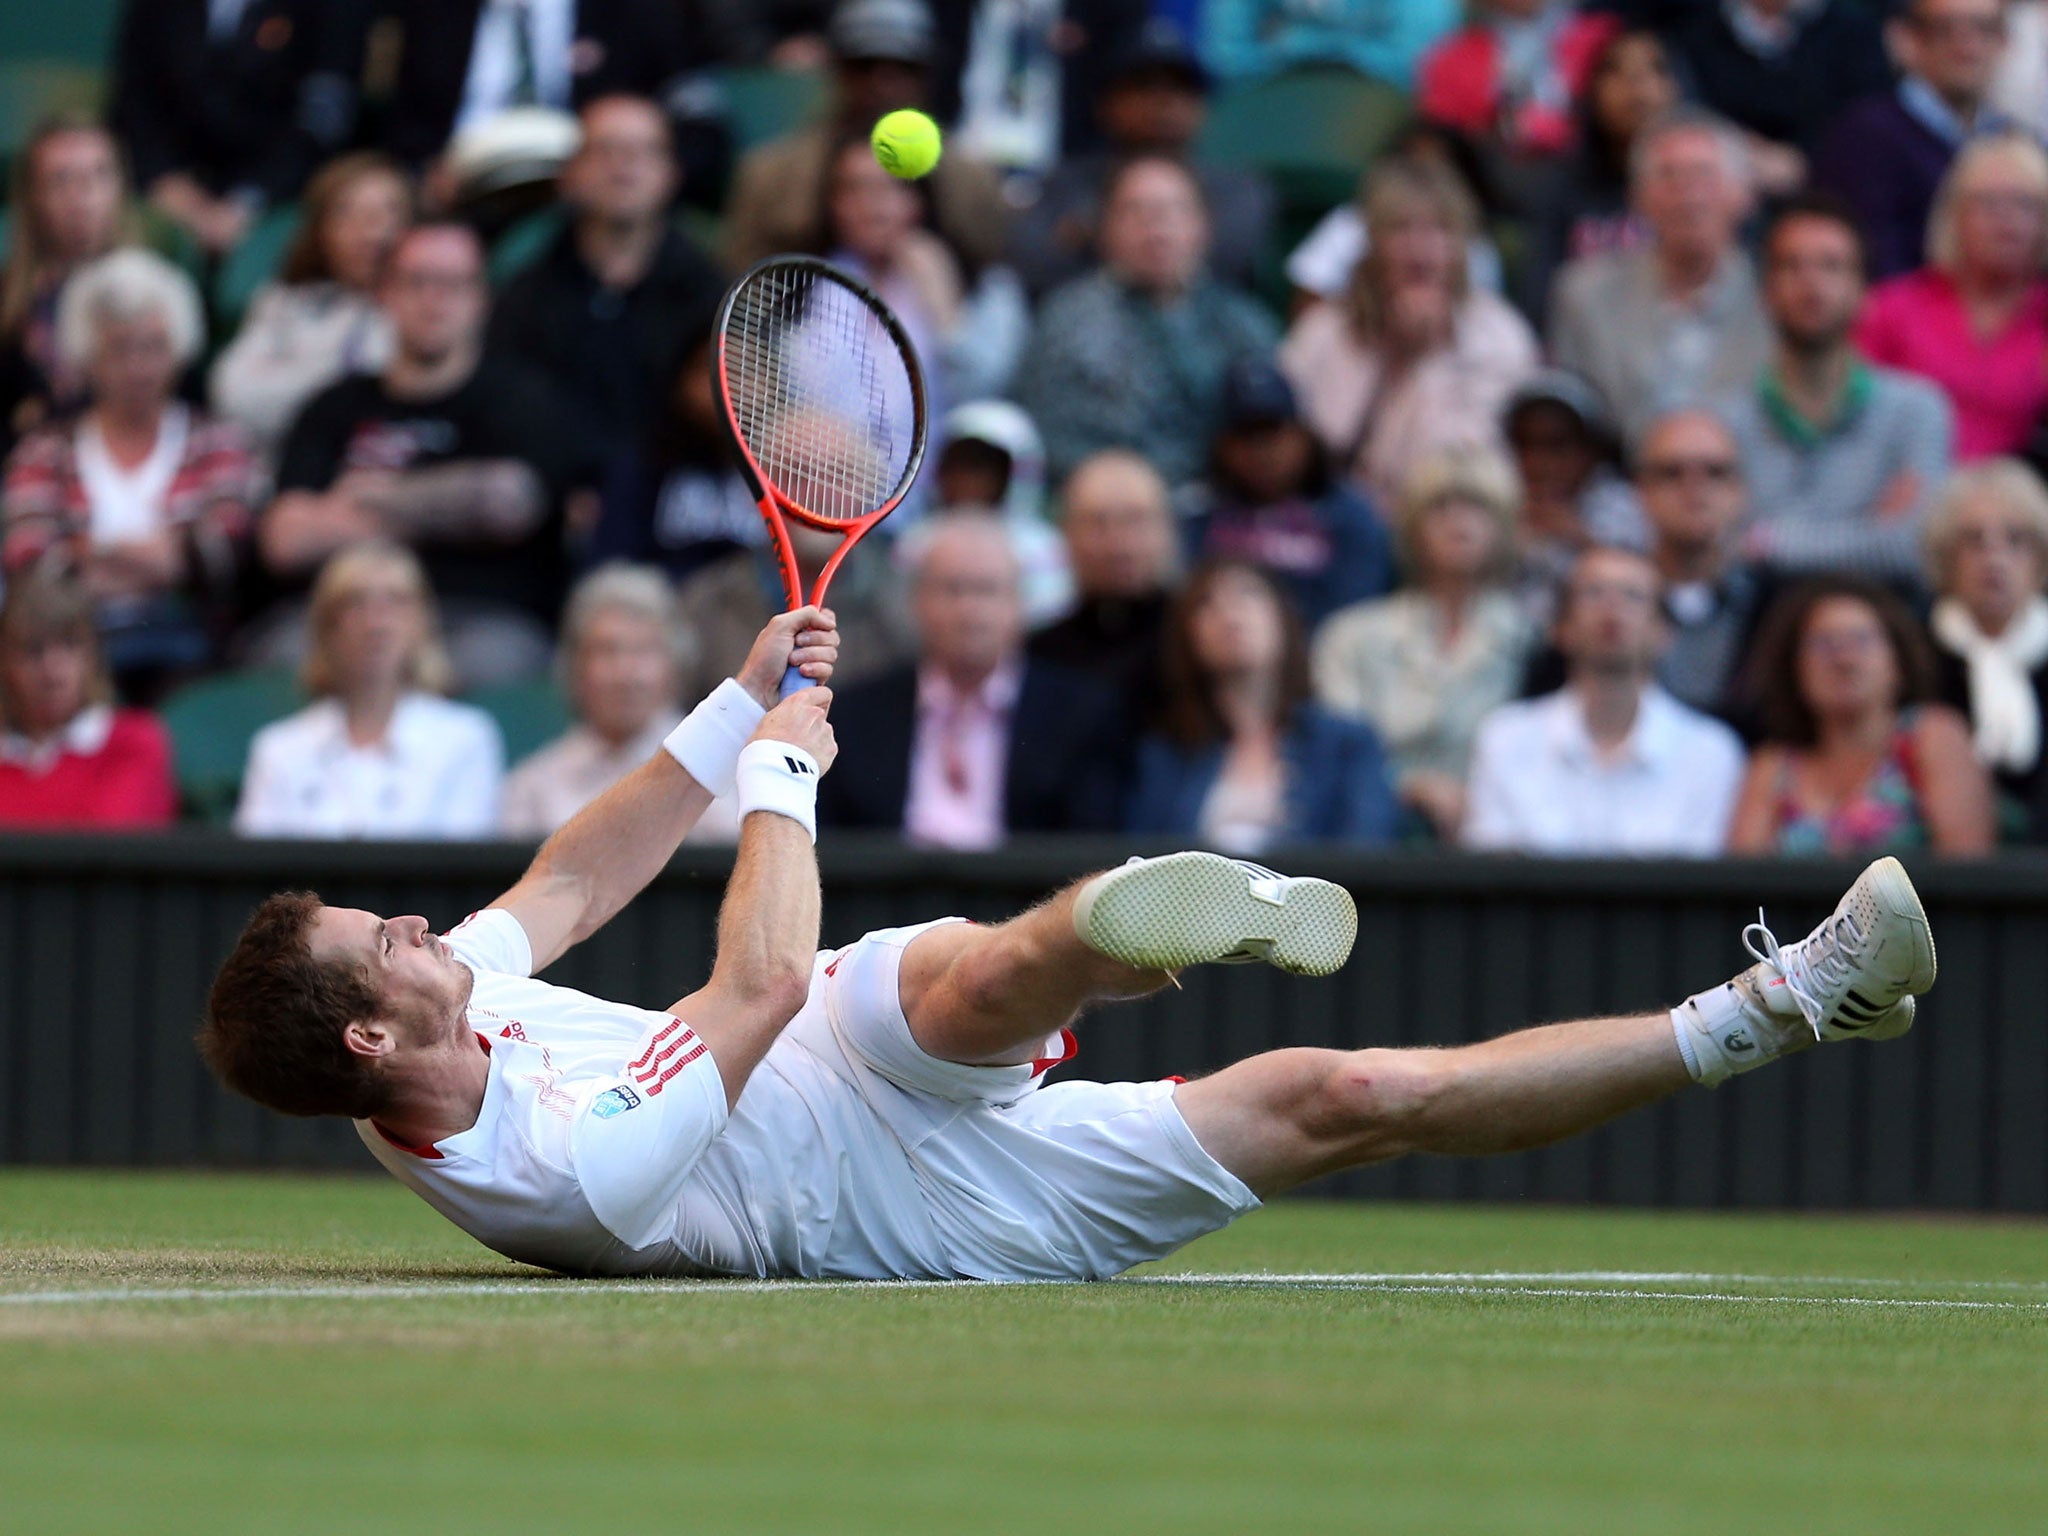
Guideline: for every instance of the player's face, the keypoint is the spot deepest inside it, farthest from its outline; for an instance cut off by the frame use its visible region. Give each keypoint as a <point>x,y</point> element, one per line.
<point>1996,565</point>
<point>625,674</point>
<point>1845,660</point>
<point>421,984</point>
<point>366,220</point>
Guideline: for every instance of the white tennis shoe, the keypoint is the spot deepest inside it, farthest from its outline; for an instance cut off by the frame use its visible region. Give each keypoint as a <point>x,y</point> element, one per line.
<point>1854,977</point>
<point>1202,908</point>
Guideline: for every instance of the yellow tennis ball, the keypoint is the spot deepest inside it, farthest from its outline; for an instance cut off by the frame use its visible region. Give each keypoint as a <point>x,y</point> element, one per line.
<point>907,144</point>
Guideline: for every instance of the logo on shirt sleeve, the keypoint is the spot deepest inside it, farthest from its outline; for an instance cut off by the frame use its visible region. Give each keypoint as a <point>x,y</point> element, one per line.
<point>614,1101</point>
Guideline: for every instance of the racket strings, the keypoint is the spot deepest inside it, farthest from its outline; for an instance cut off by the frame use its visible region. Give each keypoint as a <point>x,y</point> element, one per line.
<point>821,393</point>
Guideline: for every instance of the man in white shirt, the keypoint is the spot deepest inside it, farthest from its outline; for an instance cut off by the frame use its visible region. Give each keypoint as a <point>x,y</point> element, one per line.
<point>1610,763</point>
<point>877,1111</point>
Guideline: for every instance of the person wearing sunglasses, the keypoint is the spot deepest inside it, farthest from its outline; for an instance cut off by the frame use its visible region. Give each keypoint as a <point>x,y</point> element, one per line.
<point>1841,455</point>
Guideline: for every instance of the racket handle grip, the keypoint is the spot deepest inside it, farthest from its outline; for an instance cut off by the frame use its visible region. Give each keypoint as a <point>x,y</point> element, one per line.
<point>794,681</point>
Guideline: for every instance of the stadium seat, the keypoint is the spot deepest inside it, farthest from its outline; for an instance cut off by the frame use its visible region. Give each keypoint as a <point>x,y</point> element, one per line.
<point>761,104</point>
<point>32,89</point>
<point>520,246</point>
<point>252,264</point>
<point>529,714</point>
<point>211,722</point>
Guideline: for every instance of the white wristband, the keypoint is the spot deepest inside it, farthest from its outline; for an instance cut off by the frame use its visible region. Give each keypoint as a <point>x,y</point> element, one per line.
<point>708,741</point>
<point>777,777</point>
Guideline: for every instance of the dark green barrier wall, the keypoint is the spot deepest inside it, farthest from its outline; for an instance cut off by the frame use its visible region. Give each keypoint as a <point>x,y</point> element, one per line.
<point>106,948</point>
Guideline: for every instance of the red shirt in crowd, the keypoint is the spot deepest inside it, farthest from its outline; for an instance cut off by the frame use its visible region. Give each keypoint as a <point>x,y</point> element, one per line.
<point>1463,85</point>
<point>108,768</point>
<point>1998,384</point>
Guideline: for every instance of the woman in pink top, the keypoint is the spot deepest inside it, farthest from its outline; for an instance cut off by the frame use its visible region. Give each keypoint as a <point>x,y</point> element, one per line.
<point>1975,318</point>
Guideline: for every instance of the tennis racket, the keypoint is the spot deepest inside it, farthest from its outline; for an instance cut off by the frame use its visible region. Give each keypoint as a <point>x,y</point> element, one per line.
<point>821,390</point>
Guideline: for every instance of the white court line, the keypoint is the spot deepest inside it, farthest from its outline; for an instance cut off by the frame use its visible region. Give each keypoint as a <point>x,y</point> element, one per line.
<point>1625,1285</point>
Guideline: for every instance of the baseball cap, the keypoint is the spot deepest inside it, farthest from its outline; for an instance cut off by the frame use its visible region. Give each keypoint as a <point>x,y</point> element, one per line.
<point>1256,393</point>
<point>1558,386</point>
<point>1161,48</point>
<point>897,30</point>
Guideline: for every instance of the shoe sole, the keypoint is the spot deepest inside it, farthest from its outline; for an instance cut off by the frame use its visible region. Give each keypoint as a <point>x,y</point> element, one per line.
<point>1892,891</point>
<point>1196,908</point>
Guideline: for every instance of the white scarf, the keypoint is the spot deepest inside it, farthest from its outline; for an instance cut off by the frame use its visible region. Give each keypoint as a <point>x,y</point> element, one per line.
<point>2005,712</point>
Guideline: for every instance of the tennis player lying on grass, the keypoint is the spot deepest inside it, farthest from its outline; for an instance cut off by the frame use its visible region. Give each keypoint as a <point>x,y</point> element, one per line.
<point>877,1111</point>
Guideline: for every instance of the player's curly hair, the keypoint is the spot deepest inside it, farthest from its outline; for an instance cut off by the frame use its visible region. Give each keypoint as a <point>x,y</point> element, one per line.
<point>274,1020</point>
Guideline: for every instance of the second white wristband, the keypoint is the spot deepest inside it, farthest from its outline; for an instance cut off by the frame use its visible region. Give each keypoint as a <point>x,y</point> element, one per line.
<point>777,777</point>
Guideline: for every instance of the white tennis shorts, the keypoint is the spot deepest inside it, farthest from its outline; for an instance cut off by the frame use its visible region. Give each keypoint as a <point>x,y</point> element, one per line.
<point>1020,1181</point>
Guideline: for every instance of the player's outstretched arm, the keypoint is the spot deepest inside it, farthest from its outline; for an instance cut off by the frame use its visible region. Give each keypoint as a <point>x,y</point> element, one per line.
<point>605,855</point>
<point>768,926</point>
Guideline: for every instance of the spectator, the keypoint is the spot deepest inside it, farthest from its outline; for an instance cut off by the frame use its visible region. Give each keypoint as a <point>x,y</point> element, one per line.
<point>1854,760</point>
<point>2019,87</point>
<point>881,56</point>
<point>1975,318</point>
<point>726,601</point>
<point>1247,38</point>
<point>1321,267</point>
<point>992,458</point>
<point>1271,500</point>
<point>680,501</point>
<point>1630,86</point>
<point>610,306</point>
<point>1784,70</point>
<point>1415,359</point>
<point>462,64</point>
<point>1573,495</point>
<point>319,321</point>
<point>1841,457</point>
<point>1133,356</point>
<point>1610,763</point>
<point>68,757</point>
<point>226,108</point>
<point>623,649</point>
<point>1243,758</point>
<point>1120,537</point>
<point>1885,156</point>
<point>1154,102</point>
<point>1426,664</point>
<point>1508,81</point>
<point>378,753</point>
<point>69,206</point>
<point>874,223</point>
<point>1018,79</point>
<point>470,464</point>
<point>142,498</point>
<point>1679,321</point>
<point>1988,545</point>
<point>1689,477</point>
<point>975,741</point>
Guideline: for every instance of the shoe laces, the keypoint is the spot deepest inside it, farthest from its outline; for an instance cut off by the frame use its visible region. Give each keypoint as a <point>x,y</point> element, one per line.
<point>1825,959</point>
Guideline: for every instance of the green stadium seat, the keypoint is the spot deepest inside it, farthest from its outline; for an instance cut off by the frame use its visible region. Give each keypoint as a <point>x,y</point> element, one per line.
<point>520,246</point>
<point>212,722</point>
<point>252,264</point>
<point>32,89</point>
<point>529,714</point>
<point>761,104</point>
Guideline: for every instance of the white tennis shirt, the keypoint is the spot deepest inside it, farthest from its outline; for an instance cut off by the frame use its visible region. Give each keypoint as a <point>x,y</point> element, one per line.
<point>603,1144</point>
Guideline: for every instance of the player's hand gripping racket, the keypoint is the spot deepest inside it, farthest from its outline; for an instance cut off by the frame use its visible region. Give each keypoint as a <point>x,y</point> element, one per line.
<point>825,400</point>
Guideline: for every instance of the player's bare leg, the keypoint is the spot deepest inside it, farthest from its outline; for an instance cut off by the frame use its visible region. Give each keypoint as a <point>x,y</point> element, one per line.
<point>991,996</point>
<point>1288,1116</point>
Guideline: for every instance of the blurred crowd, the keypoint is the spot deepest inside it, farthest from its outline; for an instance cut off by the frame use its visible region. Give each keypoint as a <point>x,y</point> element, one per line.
<point>1644,457</point>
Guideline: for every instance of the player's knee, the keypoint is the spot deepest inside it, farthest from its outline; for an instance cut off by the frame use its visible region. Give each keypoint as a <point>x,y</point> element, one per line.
<point>1383,1097</point>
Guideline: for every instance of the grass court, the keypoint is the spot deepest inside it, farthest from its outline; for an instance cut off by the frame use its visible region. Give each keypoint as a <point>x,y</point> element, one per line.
<point>263,1354</point>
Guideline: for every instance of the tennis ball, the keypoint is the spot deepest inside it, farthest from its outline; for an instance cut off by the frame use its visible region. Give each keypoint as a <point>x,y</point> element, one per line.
<point>907,144</point>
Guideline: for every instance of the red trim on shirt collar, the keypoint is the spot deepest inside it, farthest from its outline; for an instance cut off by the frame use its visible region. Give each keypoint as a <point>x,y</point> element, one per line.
<point>1069,1049</point>
<point>429,1151</point>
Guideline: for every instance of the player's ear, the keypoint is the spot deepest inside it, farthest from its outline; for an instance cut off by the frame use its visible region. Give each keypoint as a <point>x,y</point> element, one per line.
<point>369,1037</point>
